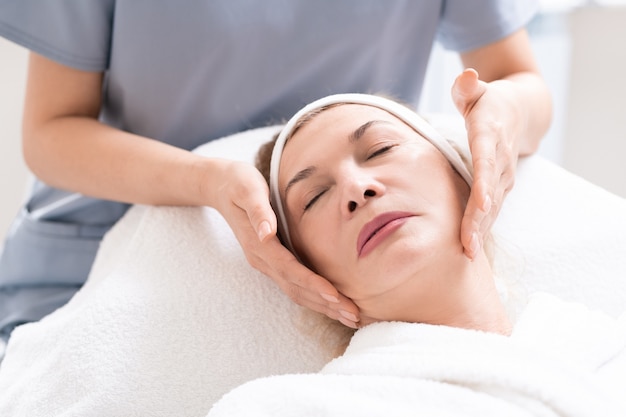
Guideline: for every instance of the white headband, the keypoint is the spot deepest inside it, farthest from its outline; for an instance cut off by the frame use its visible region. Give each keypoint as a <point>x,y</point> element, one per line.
<point>403,113</point>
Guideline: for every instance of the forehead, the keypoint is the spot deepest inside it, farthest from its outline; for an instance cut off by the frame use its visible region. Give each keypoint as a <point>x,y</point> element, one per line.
<point>328,132</point>
<point>326,127</point>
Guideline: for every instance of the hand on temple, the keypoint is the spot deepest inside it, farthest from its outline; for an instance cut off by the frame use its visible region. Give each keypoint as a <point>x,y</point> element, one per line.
<point>243,200</point>
<point>493,126</point>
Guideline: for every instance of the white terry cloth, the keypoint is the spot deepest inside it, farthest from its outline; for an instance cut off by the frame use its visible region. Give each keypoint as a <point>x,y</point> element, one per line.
<point>172,316</point>
<point>161,333</point>
<point>556,363</point>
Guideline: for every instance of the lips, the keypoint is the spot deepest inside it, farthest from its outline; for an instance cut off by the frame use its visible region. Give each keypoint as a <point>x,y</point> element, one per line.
<point>378,229</point>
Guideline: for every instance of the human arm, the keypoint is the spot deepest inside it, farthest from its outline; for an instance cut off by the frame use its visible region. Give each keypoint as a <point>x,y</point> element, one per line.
<point>67,147</point>
<point>506,114</point>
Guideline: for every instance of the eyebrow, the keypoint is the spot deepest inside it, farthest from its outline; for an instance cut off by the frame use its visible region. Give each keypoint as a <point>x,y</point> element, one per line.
<point>360,131</point>
<point>357,134</point>
<point>302,175</point>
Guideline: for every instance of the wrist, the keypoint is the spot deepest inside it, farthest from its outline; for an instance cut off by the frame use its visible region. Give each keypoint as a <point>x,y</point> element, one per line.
<point>208,180</point>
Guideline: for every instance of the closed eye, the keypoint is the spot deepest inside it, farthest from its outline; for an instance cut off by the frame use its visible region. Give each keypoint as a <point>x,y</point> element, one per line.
<point>313,200</point>
<point>380,151</point>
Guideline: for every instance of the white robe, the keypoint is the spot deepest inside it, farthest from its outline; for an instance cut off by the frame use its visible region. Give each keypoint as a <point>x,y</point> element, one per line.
<point>562,359</point>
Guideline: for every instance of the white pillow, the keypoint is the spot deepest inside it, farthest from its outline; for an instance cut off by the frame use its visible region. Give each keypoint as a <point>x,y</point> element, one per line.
<point>172,315</point>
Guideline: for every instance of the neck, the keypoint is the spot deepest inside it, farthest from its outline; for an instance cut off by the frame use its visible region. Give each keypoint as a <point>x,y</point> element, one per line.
<point>473,302</point>
<point>464,296</point>
<point>478,306</point>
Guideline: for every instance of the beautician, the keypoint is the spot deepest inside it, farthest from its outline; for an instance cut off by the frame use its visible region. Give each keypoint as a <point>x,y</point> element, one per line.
<point>119,92</point>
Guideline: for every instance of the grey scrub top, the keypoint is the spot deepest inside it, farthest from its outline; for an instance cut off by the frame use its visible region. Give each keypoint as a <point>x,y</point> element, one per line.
<point>187,72</point>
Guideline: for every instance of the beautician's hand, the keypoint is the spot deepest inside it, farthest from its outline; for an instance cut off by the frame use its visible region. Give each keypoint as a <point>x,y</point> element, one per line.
<point>242,197</point>
<point>492,123</point>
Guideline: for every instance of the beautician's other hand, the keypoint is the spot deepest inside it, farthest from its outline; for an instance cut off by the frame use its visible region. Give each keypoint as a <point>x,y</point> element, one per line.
<point>506,112</point>
<point>242,197</point>
<point>492,124</point>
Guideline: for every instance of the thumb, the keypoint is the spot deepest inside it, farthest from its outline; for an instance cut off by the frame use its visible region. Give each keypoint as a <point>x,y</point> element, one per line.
<point>261,216</point>
<point>466,90</point>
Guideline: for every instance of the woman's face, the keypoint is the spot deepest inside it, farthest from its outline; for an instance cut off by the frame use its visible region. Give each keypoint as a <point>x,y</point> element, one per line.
<point>373,207</point>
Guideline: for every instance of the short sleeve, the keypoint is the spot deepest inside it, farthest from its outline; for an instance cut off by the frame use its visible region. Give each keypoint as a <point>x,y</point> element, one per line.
<point>76,33</point>
<point>466,25</point>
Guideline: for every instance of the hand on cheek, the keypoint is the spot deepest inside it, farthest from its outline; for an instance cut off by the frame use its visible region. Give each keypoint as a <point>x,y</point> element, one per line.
<point>244,203</point>
<point>494,157</point>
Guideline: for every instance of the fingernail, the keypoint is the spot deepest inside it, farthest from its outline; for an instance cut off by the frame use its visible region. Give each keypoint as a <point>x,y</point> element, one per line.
<point>329,298</point>
<point>348,315</point>
<point>264,230</point>
<point>348,323</point>
<point>487,204</point>
<point>474,245</point>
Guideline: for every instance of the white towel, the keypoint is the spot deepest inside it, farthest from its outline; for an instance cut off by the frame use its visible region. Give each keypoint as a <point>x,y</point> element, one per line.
<point>172,316</point>
<point>404,369</point>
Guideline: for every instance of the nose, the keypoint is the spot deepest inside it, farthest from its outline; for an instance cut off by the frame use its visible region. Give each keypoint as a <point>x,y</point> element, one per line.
<point>359,191</point>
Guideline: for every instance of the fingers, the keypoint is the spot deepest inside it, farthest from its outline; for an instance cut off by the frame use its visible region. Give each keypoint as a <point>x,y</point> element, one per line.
<point>494,173</point>
<point>299,283</point>
<point>255,202</point>
<point>263,219</point>
<point>248,212</point>
<point>492,128</point>
<point>466,90</point>
<point>472,221</point>
<point>310,290</point>
<point>344,316</point>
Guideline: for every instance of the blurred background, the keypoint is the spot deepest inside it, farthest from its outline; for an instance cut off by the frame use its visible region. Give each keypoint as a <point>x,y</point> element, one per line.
<point>581,49</point>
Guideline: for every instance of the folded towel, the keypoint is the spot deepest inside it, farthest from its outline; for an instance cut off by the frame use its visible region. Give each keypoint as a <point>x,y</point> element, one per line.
<point>552,365</point>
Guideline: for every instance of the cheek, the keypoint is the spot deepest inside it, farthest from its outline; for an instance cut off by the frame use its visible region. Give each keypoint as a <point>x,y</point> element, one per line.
<point>461,194</point>
<point>326,255</point>
<point>313,239</point>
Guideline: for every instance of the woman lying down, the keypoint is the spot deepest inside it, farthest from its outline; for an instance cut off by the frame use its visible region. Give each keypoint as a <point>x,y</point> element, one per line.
<point>371,196</point>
